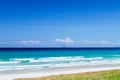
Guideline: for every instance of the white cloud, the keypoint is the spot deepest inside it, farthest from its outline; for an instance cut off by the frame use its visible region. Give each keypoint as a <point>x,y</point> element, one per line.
<point>63,41</point>
<point>94,42</point>
<point>86,42</point>
<point>31,42</point>
<point>66,41</point>
<point>104,42</point>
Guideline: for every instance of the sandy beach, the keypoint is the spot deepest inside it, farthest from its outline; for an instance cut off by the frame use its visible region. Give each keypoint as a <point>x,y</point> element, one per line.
<point>56,71</point>
<point>41,39</point>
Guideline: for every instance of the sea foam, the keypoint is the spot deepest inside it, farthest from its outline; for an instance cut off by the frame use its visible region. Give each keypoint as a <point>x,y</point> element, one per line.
<point>53,62</point>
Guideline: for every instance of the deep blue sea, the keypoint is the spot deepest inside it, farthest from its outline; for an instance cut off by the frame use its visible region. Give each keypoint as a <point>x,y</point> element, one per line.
<point>44,58</point>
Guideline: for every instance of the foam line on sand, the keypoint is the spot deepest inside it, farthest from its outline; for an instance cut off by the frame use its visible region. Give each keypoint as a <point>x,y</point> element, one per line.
<point>53,72</point>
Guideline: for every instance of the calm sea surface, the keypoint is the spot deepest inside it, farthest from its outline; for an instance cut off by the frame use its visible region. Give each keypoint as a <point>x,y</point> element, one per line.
<point>44,58</point>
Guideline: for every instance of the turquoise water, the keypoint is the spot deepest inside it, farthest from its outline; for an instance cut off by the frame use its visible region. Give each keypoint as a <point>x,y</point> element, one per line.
<point>25,59</point>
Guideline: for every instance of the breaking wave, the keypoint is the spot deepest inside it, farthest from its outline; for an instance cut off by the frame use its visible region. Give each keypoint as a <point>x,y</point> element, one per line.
<point>52,62</point>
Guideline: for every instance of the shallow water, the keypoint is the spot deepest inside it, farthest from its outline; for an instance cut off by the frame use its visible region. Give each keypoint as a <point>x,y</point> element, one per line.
<point>27,59</point>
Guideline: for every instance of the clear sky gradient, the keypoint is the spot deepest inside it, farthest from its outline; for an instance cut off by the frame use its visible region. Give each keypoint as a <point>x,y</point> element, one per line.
<point>50,23</point>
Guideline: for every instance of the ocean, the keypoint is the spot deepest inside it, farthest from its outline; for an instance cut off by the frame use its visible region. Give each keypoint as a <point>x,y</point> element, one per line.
<point>48,58</point>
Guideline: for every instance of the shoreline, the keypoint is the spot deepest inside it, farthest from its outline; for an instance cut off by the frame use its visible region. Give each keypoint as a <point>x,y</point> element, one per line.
<point>57,71</point>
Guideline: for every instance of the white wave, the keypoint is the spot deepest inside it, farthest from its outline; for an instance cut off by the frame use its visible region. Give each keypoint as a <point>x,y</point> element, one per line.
<point>20,67</point>
<point>56,59</point>
<point>21,59</point>
<point>52,59</point>
<point>9,62</point>
<point>82,63</point>
<point>53,62</point>
<point>97,61</point>
<point>116,55</point>
<point>5,69</point>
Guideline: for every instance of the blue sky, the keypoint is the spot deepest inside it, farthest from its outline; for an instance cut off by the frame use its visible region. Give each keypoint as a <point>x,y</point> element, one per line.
<point>51,23</point>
